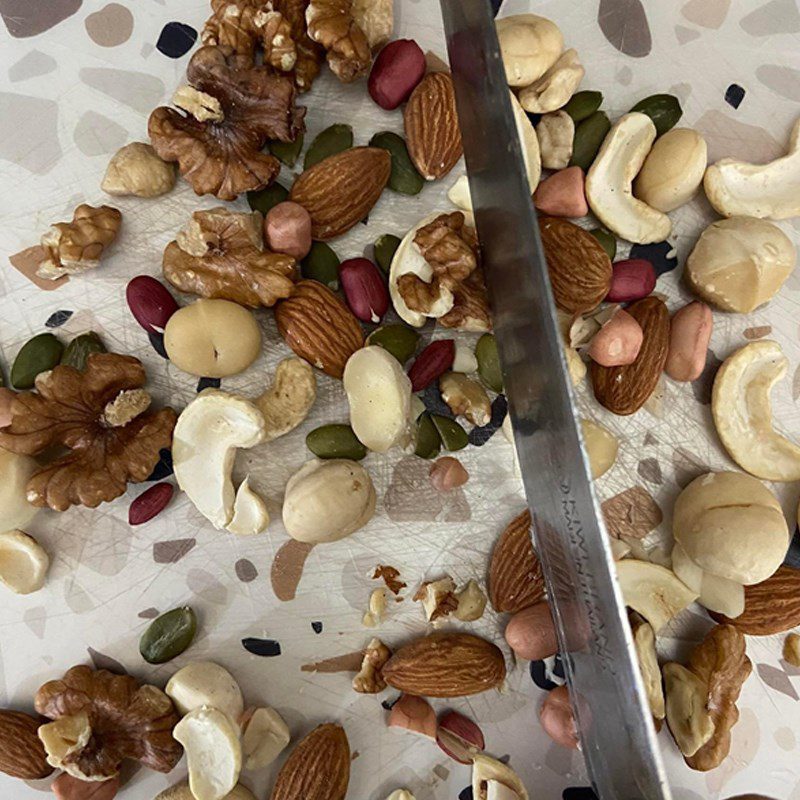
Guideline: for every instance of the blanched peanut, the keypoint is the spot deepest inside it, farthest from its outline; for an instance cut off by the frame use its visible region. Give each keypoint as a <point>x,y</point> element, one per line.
<point>562,195</point>
<point>287,229</point>
<point>531,634</point>
<point>618,342</point>
<point>689,335</point>
<point>557,718</point>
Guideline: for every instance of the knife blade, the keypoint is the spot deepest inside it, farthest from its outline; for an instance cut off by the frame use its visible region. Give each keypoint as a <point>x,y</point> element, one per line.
<point>611,711</point>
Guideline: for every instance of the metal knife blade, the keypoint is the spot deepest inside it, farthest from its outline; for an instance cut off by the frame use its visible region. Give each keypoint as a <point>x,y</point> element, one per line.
<point>612,714</point>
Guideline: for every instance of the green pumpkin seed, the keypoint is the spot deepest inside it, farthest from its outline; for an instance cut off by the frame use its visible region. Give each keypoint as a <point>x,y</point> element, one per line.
<point>404,177</point>
<point>664,109</point>
<point>428,440</point>
<point>328,143</point>
<point>168,635</point>
<point>583,105</point>
<point>321,264</point>
<point>489,362</point>
<point>335,441</point>
<point>40,354</point>
<point>400,340</point>
<point>287,152</point>
<point>385,248</point>
<point>589,135</point>
<point>265,199</point>
<point>80,348</point>
<point>607,241</point>
<point>453,436</point>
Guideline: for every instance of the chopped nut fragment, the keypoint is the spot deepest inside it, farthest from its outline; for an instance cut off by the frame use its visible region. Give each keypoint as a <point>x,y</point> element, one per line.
<point>390,576</point>
<point>438,598</point>
<point>465,396</point>
<point>331,23</point>
<point>369,679</point>
<point>127,405</point>
<point>203,107</point>
<point>644,640</point>
<point>471,601</point>
<point>377,609</point>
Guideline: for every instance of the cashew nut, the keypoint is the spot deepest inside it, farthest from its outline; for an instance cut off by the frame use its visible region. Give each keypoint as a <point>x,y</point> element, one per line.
<point>15,471</point>
<point>601,447</point>
<point>204,683</point>
<point>250,515</point>
<point>471,601</point>
<point>487,771</point>
<point>609,182</point>
<point>687,715</point>
<point>23,562</point>
<point>554,89</point>
<point>758,190</point>
<point>264,736</point>
<point>529,45</point>
<point>742,412</point>
<point>644,640</point>
<point>556,132</point>
<point>287,402</point>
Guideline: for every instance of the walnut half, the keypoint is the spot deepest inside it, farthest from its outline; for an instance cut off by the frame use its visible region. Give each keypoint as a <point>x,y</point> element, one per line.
<point>332,24</point>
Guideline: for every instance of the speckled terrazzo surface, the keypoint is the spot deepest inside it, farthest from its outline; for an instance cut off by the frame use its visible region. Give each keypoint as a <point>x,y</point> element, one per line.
<point>78,80</point>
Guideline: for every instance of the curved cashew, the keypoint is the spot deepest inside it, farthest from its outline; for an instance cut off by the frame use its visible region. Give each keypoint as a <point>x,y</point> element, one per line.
<point>609,182</point>
<point>287,402</point>
<point>742,412</point>
<point>23,562</point>
<point>758,190</point>
<point>554,89</point>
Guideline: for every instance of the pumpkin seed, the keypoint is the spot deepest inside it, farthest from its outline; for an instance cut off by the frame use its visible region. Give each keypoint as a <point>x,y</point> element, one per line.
<point>322,265</point>
<point>331,141</point>
<point>404,177</point>
<point>607,241</point>
<point>265,199</point>
<point>80,348</point>
<point>400,340</point>
<point>664,109</point>
<point>489,362</point>
<point>428,440</point>
<point>37,355</point>
<point>453,436</point>
<point>583,105</point>
<point>287,152</point>
<point>335,441</point>
<point>589,135</point>
<point>168,635</point>
<point>385,247</point>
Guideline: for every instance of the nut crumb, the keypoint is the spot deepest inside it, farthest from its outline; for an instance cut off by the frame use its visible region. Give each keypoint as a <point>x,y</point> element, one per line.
<point>438,598</point>
<point>203,107</point>
<point>369,679</point>
<point>377,609</point>
<point>390,576</point>
<point>127,405</point>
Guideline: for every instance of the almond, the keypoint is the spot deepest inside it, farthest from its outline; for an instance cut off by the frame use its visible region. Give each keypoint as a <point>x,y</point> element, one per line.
<point>319,327</point>
<point>317,769</point>
<point>446,665</point>
<point>340,190</point>
<point>515,574</point>
<point>625,389</point>
<point>433,137</point>
<point>772,606</point>
<point>22,754</point>
<point>580,270</point>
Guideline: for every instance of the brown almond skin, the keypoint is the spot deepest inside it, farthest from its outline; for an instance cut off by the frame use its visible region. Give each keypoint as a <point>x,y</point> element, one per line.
<point>339,191</point>
<point>772,606</point>
<point>317,769</point>
<point>446,665</point>
<point>625,389</point>
<point>22,754</point>
<point>319,327</point>
<point>515,574</point>
<point>430,119</point>
<point>580,270</point>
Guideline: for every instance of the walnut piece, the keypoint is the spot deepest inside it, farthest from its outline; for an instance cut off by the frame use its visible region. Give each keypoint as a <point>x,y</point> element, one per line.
<point>69,410</point>
<point>74,247</point>
<point>331,23</point>
<point>369,679</point>
<point>390,576</point>
<point>203,107</point>
<point>220,254</point>
<point>376,19</point>
<point>466,396</point>
<point>279,47</point>
<point>438,598</point>
<point>224,157</point>
<point>470,311</point>
<point>136,169</point>
<point>310,55</point>
<point>449,246</point>
<point>103,719</point>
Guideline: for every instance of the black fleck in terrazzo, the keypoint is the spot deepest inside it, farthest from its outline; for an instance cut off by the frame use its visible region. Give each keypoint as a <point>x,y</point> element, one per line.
<point>479,436</point>
<point>208,383</point>
<point>176,39</point>
<point>661,255</point>
<point>579,793</point>
<point>164,467</point>
<point>734,95</point>
<point>58,318</point>
<point>157,341</point>
<point>262,647</point>
<point>465,794</point>
<point>316,627</point>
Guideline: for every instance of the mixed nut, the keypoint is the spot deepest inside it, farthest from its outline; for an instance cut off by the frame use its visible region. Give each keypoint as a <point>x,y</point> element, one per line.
<point>235,122</point>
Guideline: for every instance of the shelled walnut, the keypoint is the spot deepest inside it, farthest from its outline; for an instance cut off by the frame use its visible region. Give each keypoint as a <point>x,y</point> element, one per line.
<point>74,247</point>
<point>222,155</point>
<point>101,719</point>
<point>331,23</point>
<point>101,416</point>
<point>369,680</point>
<point>310,55</point>
<point>220,254</point>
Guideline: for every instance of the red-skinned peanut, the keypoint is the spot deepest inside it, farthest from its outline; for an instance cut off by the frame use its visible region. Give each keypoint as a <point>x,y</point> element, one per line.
<point>558,719</point>
<point>631,279</point>
<point>399,67</point>
<point>431,363</point>
<point>150,303</point>
<point>531,634</point>
<point>364,289</point>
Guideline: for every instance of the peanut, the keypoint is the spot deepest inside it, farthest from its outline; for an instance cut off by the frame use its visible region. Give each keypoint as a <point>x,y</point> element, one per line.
<point>689,335</point>
<point>618,342</point>
<point>287,229</point>
<point>448,473</point>
<point>558,719</point>
<point>531,634</point>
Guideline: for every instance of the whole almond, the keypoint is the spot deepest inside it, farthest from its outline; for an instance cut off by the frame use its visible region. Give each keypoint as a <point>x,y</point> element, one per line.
<point>625,389</point>
<point>22,754</point>
<point>515,574</point>
<point>580,269</point>
<point>317,769</point>
<point>319,327</point>
<point>433,137</point>
<point>772,606</point>
<point>339,191</point>
<point>446,665</point>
